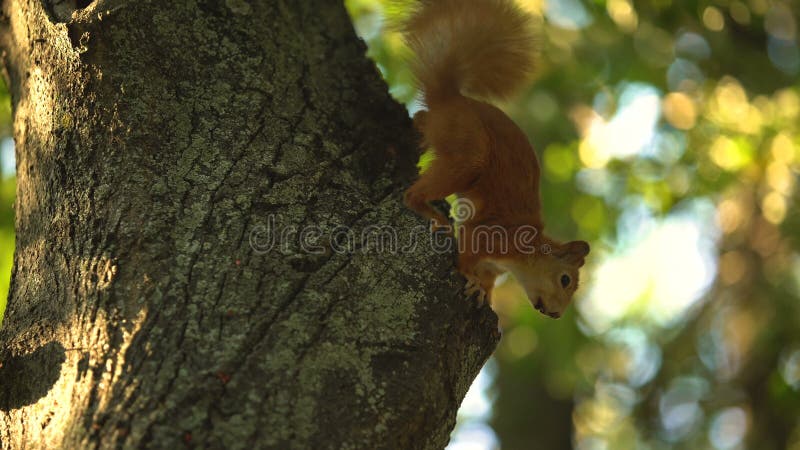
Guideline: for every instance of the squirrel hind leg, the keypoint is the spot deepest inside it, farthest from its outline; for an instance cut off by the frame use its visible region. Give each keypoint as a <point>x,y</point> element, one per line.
<point>417,200</point>
<point>437,182</point>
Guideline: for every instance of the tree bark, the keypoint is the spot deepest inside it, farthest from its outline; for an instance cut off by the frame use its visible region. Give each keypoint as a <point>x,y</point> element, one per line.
<point>160,147</point>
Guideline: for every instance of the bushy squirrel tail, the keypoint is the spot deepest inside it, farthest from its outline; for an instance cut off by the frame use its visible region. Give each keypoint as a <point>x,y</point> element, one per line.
<point>479,48</point>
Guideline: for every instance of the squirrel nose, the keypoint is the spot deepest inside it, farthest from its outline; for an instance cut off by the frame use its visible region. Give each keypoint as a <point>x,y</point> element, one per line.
<point>539,305</point>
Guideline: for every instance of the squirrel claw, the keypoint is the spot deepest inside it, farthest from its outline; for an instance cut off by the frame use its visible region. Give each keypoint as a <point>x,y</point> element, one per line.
<point>471,287</point>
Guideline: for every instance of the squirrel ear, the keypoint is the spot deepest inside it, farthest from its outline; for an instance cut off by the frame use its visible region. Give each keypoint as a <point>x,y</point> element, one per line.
<point>573,252</point>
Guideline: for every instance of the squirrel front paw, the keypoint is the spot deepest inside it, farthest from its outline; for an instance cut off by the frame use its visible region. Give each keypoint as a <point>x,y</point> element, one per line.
<point>472,286</point>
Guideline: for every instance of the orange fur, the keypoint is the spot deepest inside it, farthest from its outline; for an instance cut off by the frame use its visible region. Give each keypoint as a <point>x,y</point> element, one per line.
<point>493,53</point>
<point>485,48</point>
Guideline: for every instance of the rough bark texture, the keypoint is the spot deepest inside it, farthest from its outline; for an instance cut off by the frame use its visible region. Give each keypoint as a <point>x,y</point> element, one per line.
<point>155,139</point>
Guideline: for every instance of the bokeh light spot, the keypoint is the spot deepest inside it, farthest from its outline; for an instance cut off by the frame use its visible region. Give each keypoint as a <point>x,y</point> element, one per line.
<point>784,54</point>
<point>729,154</point>
<point>774,207</point>
<point>569,14</point>
<point>692,45</point>
<point>780,178</point>
<point>788,104</point>
<point>521,341</point>
<point>559,161</point>
<point>623,14</point>
<point>679,407</point>
<point>730,215</point>
<point>684,75</point>
<point>780,22</point>
<point>713,19</point>
<point>658,274</point>
<point>740,13</point>
<point>679,110</point>
<point>759,7</point>
<point>628,132</point>
<point>589,213</point>
<point>543,107</point>
<point>728,428</point>
<point>783,149</point>
<point>732,267</point>
<point>790,368</point>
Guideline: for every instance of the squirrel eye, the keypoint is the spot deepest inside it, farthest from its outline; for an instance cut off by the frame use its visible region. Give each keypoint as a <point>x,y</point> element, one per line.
<point>565,280</point>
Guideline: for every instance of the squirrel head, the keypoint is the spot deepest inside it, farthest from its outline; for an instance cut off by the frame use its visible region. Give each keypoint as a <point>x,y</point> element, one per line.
<point>550,276</point>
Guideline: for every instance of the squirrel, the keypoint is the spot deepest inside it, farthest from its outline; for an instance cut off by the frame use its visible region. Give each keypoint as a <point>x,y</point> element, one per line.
<point>465,51</point>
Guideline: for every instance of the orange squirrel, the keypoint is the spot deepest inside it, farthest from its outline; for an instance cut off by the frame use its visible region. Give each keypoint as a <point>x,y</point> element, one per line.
<point>485,49</point>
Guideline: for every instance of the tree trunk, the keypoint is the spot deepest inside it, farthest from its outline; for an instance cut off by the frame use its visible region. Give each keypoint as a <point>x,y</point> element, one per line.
<point>162,147</point>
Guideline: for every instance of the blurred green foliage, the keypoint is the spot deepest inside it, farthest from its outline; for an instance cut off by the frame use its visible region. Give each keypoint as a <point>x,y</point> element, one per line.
<point>669,133</point>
